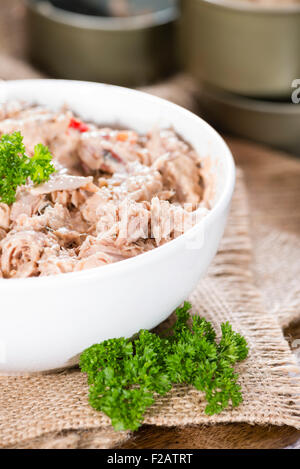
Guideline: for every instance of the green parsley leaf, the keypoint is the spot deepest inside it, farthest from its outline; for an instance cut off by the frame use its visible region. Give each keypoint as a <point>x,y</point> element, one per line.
<point>16,168</point>
<point>125,374</point>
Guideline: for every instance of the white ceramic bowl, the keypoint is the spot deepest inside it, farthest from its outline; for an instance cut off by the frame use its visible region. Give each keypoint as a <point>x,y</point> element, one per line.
<point>46,322</point>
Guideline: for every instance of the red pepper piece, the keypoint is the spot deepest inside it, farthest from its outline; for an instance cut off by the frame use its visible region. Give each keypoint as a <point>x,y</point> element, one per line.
<point>78,125</point>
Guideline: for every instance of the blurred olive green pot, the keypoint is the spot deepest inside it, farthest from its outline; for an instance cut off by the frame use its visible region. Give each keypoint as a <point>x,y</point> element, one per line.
<point>125,51</point>
<point>242,47</point>
<point>271,123</point>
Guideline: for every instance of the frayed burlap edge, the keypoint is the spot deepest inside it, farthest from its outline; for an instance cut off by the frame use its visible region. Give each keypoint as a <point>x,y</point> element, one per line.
<point>277,270</point>
<point>273,181</point>
<point>105,438</point>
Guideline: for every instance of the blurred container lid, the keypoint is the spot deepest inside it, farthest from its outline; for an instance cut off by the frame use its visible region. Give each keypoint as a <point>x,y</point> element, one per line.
<point>272,123</point>
<point>117,8</point>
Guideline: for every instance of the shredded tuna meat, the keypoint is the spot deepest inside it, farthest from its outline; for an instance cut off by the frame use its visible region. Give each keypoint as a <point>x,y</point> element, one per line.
<point>116,194</point>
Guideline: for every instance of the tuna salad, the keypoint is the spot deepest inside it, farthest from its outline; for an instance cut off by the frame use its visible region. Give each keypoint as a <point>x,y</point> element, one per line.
<point>115,194</point>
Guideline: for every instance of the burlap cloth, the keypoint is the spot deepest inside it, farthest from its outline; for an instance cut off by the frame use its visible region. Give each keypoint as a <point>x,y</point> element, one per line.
<point>260,249</point>
<point>273,183</point>
<point>52,410</point>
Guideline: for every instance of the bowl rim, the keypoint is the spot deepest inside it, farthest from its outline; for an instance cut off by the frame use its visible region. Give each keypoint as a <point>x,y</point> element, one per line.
<point>123,265</point>
<point>78,20</point>
<point>246,6</point>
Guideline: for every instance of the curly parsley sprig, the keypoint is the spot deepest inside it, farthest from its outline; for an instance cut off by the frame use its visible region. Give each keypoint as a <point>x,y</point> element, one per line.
<point>124,375</point>
<point>16,168</point>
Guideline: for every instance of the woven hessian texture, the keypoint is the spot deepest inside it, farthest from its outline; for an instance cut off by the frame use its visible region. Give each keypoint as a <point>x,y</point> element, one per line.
<point>273,182</point>
<point>37,410</point>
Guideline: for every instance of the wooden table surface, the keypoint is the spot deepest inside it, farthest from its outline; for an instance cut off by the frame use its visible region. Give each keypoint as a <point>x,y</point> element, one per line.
<point>12,43</point>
